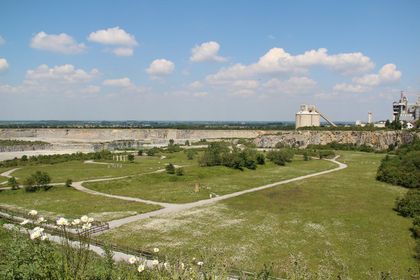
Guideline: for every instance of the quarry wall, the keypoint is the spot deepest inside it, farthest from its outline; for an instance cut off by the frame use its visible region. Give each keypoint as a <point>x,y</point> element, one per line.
<point>95,138</point>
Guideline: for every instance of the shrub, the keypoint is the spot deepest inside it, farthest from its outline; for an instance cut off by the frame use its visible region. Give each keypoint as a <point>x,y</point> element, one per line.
<point>130,157</point>
<point>12,183</point>
<point>326,154</point>
<point>37,180</point>
<point>153,151</point>
<point>409,205</point>
<point>280,157</point>
<point>68,183</point>
<point>306,156</point>
<point>140,152</point>
<point>190,154</point>
<point>260,158</point>
<point>170,168</point>
<point>179,171</point>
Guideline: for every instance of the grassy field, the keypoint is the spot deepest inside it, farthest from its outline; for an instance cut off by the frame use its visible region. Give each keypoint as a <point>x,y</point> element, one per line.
<point>77,170</point>
<point>339,220</point>
<point>67,202</point>
<point>4,169</point>
<point>212,180</point>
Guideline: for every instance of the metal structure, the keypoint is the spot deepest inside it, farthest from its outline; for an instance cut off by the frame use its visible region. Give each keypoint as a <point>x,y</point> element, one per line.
<point>308,115</point>
<point>404,111</point>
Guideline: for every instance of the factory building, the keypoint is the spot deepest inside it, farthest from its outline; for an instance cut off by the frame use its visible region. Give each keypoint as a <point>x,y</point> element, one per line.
<point>308,115</point>
<point>404,111</point>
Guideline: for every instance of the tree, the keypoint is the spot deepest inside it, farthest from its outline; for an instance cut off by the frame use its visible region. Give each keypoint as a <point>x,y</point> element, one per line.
<point>187,143</point>
<point>280,157</point>
<point>68,183</point>
<point>260,158</point>
<point>29,184</point>
<point>24,158</point>
<point>42,180</point>
<point>170,168</point>
<point>131,157</point>
<point>140,152</point>
<point>190,154</point>
<point>12,183</point>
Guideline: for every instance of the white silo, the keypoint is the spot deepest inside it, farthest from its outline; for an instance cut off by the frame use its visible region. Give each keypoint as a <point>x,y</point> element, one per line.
<point>307,116</point>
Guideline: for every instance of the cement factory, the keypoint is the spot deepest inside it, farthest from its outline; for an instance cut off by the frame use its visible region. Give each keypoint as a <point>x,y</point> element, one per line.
<point>404,112</point>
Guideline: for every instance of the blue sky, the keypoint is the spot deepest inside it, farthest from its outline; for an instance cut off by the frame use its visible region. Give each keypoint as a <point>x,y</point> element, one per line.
<point>206,60</point>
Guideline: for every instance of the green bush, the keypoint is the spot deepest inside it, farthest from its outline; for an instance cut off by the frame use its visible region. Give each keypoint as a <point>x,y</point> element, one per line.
<point>68,183</point>
<point>280,157</point>
<point>179,171</point>
<point>36,181</point>
<point>12,183</point>
<point>409,205</point>
<point>260,158</point>
<point>170,168</point>
<point>326,154</point>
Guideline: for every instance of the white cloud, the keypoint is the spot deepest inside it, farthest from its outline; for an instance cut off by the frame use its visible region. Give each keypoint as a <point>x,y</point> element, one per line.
<point>2,41</point>
<point>3,64</point>
<point>123,51</point>
<point>195,85</point>
<point>344,87</point>
<point>161,67</point>
<point>387,74</point>
<point>123,82</point>
<point>293,85</point>
<point>66,73</point>
<point>277,61</point>
<point>61,43</point>
<point>207,51</point>
<point>113,36</point>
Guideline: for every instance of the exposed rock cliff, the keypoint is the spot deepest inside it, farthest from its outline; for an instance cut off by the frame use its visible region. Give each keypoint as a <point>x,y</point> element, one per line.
<point>378,140</point>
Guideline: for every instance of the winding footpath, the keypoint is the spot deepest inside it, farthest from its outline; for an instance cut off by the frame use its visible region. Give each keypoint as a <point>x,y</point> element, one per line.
<point>169,208</point>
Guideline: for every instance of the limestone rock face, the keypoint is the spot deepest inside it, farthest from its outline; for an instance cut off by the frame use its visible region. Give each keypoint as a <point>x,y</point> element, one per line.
<point>379,140</point>
<point>132,138</point>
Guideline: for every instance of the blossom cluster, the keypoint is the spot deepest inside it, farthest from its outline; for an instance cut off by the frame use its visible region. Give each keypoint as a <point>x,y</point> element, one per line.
<point>85,222</point>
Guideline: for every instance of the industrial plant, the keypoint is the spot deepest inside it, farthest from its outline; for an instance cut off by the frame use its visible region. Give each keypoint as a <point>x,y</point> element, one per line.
<point>404,111</point>
<point>308,115</point>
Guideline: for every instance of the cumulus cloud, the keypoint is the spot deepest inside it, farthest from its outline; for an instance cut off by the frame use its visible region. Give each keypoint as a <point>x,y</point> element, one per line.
<point>277,61</point>
<point>2,41</point>
<point>208,51</point>
<point>123,82</point>
<point>293,85</point>
<point>115,36</point>
<point>344,87</point>
<point>66,73</point>
<point>61,43</point>
<point>195,85</point>
<point>3,64</point>
<point>123,51</point>
<point>161,67</point>
<point>387,74</point>
<point>61,79</point>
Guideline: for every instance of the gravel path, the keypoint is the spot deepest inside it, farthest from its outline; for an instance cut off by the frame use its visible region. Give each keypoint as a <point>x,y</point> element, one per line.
<point>173,208</point>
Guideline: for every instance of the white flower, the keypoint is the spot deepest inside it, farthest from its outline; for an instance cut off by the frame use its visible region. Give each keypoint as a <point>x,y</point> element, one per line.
<point>33,213</point>
<point>75,222</point>
<point>165,265</point>
<point>87,226</point>
<point>156,250</point>
<point>211,195</point>
<point>140,268</point>
<point>62,222</point>
<point>90,220</point>
<point>132,260</point>
<point>40,220</point>
<point>44,237</point>
<point>36,233</point>
<point>200,263</point>
<point>24,222</point>
<point>182,266</point>
<point>155,262</point>
<point>84,219</point>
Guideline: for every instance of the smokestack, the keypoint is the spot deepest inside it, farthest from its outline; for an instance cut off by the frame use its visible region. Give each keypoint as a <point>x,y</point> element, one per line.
<point>369,117</point>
